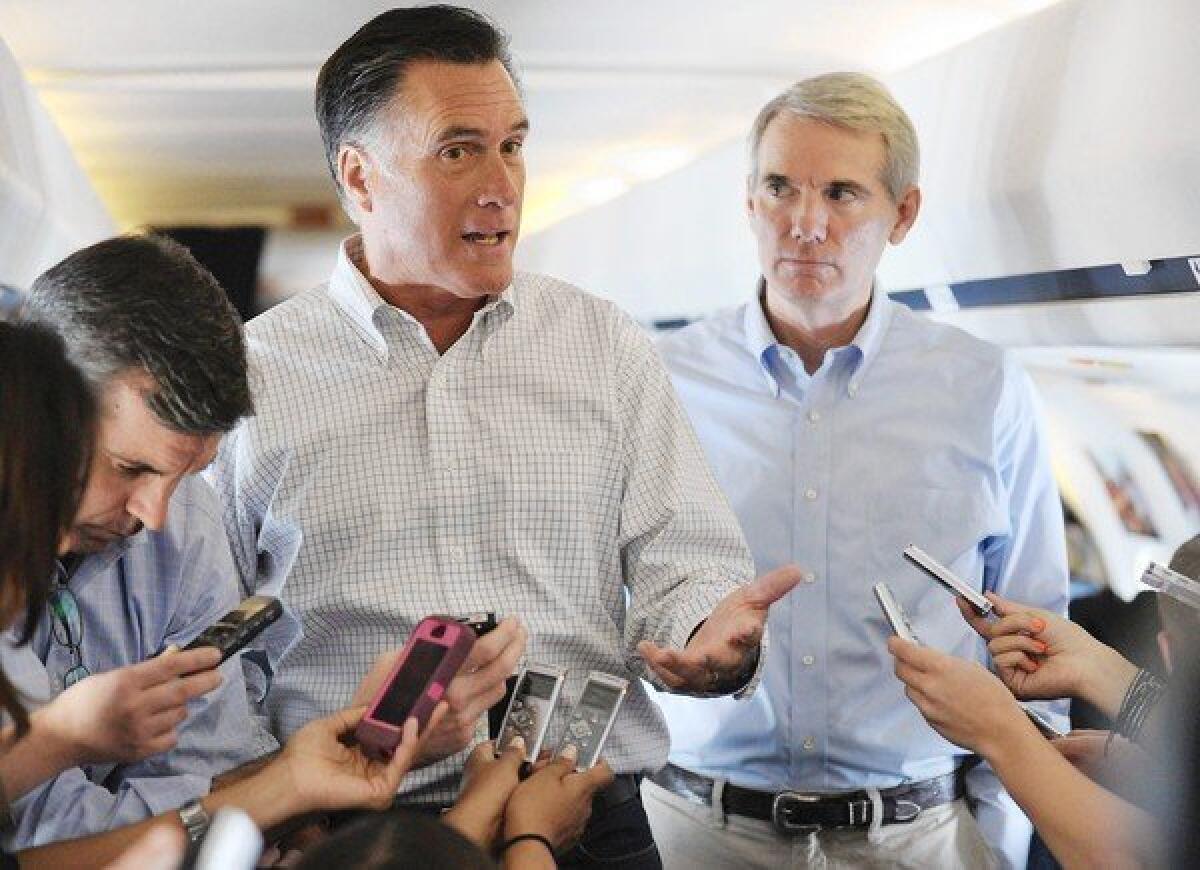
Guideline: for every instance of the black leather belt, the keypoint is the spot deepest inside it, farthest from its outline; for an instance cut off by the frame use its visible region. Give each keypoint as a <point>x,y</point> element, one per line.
<point>793,812</point>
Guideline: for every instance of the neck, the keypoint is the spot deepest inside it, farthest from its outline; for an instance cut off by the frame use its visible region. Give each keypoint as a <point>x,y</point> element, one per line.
<point>811,328</point>
<point>445,317</point>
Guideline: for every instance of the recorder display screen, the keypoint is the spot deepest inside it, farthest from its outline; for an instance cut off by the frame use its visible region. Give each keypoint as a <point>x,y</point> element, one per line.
<point>410,682</point>
<point>538,686</point>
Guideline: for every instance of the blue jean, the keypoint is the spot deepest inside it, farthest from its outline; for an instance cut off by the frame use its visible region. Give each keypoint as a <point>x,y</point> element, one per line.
<point>616,836</point>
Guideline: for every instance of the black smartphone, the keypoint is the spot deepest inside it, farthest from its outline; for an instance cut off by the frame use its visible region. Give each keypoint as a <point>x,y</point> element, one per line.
<point>239,626</point>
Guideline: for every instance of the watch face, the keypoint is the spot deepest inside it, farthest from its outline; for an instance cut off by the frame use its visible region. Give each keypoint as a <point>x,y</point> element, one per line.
<point>195,820</point>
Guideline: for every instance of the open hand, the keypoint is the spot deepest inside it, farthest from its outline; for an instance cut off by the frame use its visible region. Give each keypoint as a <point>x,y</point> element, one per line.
<point>724,647</point>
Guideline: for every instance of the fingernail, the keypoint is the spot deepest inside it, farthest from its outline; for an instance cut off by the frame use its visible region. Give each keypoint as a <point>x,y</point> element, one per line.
<point>1042,645</point>
<point>1039,624</point>
<point>571,753</point>
<point>518,741</point>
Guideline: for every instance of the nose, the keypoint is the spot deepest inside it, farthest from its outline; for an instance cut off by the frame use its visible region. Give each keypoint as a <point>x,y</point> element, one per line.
<point>148,502</point>
<point>810,218</point>
<point>501,182</point>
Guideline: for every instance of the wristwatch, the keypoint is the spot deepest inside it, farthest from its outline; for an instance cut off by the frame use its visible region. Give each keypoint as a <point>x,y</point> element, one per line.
<point>195,820</point>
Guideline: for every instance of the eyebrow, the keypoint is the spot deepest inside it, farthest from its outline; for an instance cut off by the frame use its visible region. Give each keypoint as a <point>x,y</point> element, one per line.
<point>134,464</point>
<point>456,133</point>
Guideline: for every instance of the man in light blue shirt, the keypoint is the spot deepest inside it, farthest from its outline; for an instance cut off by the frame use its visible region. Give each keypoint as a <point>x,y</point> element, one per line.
<point>843,427</point>
<point>149,564</point>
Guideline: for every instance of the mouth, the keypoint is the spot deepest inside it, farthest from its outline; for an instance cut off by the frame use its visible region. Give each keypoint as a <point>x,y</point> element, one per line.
<point>487,240</point>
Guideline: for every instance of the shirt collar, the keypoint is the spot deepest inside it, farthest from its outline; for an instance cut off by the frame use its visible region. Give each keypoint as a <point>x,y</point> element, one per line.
<point>761,341</point>
<point>354,294</point>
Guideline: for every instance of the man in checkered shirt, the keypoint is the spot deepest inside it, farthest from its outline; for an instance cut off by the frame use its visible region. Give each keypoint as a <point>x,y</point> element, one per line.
<point>436,434</point>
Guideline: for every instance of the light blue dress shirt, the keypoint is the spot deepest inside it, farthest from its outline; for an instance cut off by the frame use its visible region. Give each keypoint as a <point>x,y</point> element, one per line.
<point>915,432</point>
<point>135,599</point>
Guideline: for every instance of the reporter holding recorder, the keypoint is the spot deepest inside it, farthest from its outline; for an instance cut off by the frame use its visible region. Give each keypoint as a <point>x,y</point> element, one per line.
<point>1040,655</point>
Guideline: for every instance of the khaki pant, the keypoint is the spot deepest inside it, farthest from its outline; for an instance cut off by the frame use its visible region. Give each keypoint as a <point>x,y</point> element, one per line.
<point>695,837</point>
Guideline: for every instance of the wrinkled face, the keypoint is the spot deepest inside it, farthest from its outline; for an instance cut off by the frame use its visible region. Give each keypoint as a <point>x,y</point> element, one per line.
<point>820,211</point>
<point>136,465</point>
<point>439,192</point>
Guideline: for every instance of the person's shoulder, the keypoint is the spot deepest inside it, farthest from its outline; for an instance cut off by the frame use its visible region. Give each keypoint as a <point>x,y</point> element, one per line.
<point>709,346</point>
<point>194,507</point>
<point>556,309</point>
<point>917,330</point>
<point>294,314</point>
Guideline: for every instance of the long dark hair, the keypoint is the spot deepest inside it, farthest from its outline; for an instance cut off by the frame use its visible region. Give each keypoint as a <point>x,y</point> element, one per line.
<point>47,419</point>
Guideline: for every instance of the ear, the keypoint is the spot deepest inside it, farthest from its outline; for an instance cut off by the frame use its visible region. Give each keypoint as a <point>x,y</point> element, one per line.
<point>906,215</point>
<point>1164,648</point>
<point>750,196</point>
<point>354,169</point>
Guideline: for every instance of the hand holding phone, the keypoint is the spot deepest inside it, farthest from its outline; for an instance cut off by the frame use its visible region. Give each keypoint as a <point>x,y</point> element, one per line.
<point>433,655</point>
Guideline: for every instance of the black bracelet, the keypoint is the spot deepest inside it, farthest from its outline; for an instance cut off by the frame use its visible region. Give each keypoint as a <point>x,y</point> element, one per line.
<point>512,841</point>
<point>1140,698</point>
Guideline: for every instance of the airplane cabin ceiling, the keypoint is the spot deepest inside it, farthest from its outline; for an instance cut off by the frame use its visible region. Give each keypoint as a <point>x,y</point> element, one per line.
<point>195,112</point>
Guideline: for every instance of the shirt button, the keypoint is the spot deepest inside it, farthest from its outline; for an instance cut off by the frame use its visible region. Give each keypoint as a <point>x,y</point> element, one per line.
<point>852,390</point>
<point>814,416</point>
<point>457,554</point>
<point>810,577</point>
<point>809,744</point>
<point>808,661</point>
<point>810,494</point>
<point>449,465</point>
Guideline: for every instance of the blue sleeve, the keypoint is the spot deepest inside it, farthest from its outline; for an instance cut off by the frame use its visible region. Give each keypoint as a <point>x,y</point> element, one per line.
<point>1028,565</point>
<point>219,733</point>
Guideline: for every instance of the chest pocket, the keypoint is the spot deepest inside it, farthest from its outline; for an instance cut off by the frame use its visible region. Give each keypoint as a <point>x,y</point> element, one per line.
<point>950,525</point>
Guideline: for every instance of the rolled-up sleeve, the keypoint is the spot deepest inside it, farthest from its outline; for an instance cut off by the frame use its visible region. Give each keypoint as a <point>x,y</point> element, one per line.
<point>681,547</point>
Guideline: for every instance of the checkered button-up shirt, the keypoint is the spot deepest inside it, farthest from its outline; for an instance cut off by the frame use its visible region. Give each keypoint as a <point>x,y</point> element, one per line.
<point>540,468</point>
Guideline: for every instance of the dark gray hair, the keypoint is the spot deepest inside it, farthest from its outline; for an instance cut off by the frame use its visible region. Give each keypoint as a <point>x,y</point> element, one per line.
<point>367,70</point>
<point>857,102</point>
<point>143,303</point>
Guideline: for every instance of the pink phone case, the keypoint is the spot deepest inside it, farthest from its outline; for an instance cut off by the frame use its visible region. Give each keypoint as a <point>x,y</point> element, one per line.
<point>380,738</point>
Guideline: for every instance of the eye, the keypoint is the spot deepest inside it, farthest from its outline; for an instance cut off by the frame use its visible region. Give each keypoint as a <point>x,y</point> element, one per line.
<point>454,152</point>
<point>775,186</point>
<point>513,146</point>
<point>129,471</point>
<point>843,193</point>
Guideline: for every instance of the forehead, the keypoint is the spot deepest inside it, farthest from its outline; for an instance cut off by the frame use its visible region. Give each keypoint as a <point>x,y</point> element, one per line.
<point>128,429</point>
<point>436,95</point>
<point>800,147</point>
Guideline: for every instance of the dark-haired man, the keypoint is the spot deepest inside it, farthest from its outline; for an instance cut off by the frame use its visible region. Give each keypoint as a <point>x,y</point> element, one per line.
<point>437,434</point>
<point>149,566</point>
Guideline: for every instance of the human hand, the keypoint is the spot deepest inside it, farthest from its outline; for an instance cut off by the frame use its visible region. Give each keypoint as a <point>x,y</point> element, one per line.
<point>961,699</point>
<point>1041,655</point>
<point>556,801</point>
<point>488,782</point>
<point>480,684</point>
<point>132,712</point>
<point>328,774</point>
<point>725,644</point>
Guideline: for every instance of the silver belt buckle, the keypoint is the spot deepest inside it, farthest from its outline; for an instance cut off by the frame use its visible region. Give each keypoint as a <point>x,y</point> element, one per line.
<point>783,804</point>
